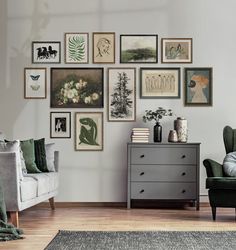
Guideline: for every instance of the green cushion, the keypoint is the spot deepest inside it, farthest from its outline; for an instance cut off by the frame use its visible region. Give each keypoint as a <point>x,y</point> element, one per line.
<point>27,148</point>
<point>40,155</point>
<point>221,183</point>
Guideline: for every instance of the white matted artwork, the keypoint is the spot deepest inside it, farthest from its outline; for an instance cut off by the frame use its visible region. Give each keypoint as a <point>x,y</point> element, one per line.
<point>121,94</point>
<point>160,82</point>
<point>60,125</point>
<point>89,131</point>
<point>76,47</point>
<point>35,83</point>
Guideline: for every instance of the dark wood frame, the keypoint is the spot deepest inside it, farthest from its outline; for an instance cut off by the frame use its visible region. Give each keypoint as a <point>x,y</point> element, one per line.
<point>160,97</point>
<point>65,46</point>
<point>114,47</point>
<point>45,80</point>
<point>210,103</point>
<point>63,137</point>
<point>176,61</point>
<point>102,131</point>
<point>46,42</point>
<point>145,35</point>
<point>77,68</point>
<point>108,83</point>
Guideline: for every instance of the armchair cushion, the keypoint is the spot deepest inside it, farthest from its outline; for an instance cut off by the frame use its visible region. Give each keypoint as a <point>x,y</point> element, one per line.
<point>229,164</point>
<point>40,155</point>
<point>221,183</point>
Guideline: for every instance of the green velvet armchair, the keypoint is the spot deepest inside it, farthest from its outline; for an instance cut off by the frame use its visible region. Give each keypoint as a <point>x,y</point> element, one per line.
<point>222,188</point>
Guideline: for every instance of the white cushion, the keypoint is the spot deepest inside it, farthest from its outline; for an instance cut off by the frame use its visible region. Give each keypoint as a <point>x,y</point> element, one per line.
<point>229,164</point>
<point>13,146</point>
<point>43,183</point>
<point>50,156</point>
<point>28,189</point>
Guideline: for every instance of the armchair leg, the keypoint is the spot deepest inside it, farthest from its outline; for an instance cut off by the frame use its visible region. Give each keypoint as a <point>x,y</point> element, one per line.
<point>213,209</point>
<point>14,218</point>
<point>52,204</point>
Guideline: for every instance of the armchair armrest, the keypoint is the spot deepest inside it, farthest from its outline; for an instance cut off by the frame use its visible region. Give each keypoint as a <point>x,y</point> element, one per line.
<point>10,180</point>
<point>56,160</point>
<point>213,168</point>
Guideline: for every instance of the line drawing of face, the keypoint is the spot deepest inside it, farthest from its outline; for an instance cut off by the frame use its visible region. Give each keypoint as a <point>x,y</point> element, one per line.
<point>197,84</point>
<point>103,46</point>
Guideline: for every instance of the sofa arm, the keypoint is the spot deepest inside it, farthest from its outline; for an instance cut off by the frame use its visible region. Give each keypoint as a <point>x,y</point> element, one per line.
<point>213,168</point>
<point>10,180</point>
<point>56,160</point>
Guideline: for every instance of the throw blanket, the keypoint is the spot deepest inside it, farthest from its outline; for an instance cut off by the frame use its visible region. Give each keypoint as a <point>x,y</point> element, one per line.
<point>7,231</point>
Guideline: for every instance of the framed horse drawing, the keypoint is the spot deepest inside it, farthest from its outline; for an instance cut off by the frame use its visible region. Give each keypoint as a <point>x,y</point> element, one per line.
<point>46,52</point>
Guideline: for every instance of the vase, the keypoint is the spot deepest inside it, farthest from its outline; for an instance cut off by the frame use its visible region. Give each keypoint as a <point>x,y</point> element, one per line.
<point>181,127</point>
<point>157,132</point>
<point>172,136</point>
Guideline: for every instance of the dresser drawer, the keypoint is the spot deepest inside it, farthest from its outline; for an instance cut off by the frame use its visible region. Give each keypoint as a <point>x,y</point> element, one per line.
<point>163,155</point>
<point>175,173</point>
<point>158,190</point>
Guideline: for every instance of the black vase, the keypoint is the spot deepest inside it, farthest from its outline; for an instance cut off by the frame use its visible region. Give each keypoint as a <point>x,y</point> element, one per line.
<point>157,132</point>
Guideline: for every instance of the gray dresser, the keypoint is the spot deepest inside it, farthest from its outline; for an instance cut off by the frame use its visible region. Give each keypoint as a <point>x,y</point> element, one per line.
<point>163,171</point>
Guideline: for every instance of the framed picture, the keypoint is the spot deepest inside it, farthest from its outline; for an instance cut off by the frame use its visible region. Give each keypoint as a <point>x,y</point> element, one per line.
<point>160,82</point>
<point>176,50</point>
<point>103,47</point>
<point>198,86</point>
<point>35,86</point>
<point>89,131</point>
<point>60,125</point>
<point>76,87</point>
<point>121,94</point>
<point>138,48</point>
<point>46,52</point>
<point>76,47</point>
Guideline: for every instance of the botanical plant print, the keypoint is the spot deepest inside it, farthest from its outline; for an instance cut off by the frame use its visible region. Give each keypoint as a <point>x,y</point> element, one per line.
<point>76,45</point>
<point>77,88</point>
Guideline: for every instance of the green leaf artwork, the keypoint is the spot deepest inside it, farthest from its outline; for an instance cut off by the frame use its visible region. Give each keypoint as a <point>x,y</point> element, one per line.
<point>88,131</point>
<point>76,48</point>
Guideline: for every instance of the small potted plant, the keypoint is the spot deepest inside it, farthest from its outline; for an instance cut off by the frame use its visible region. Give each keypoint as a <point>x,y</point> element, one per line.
<point>157,116</point>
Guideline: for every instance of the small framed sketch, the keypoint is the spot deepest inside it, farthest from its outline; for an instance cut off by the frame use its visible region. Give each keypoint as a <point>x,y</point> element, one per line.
<point>138,48</point>
<point>76,87</point>
<point>46,52</point>
<point>76,47</point>
<point>89,131</point>
<point>121,94</point>
<point>35,86</point>
<point>103,47</point>
<point>198,87</point>
<point>160,82</point>
<point>60,125</point>
<point>176,50</point>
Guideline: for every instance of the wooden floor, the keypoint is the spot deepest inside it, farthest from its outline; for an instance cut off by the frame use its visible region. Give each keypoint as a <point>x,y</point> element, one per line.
<point>40,224</point>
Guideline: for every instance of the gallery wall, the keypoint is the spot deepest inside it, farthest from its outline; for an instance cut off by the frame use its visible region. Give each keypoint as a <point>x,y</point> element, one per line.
<point>101,176</point>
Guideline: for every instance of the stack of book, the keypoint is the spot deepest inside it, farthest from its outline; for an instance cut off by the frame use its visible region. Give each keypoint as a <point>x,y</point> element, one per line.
<point>140,135</point>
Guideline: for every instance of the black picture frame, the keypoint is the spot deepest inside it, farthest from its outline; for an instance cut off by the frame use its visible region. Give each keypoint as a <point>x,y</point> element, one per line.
<point>60,125</point>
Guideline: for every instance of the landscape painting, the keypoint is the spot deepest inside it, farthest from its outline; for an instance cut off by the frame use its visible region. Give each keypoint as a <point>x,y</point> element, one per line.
<point>198,86</point>
<point>89,131</point>
<point>121,94</point>
<point>76,87</point>
<point>160,82</point>
<point>138,48</point>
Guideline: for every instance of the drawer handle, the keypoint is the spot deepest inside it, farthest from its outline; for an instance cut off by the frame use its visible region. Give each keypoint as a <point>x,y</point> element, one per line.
<point>183,174</point>
<point>141,191</point>
<point>142,156</point>
<point>142,173</point>
<point>183,191</point>
<point>183,156</point>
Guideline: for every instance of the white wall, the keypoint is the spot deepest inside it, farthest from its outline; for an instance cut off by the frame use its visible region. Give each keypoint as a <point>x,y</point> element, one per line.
<point>101,176</point>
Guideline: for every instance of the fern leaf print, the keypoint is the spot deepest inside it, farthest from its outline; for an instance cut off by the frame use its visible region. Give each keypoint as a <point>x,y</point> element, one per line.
<point>76,48</point>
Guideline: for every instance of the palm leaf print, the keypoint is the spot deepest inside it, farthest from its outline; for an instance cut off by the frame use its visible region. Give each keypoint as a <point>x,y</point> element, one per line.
<point>76,48</point>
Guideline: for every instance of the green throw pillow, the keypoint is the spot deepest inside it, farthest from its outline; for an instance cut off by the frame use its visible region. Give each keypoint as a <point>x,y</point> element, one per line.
<point>40,155</point>
<point>27,148</point>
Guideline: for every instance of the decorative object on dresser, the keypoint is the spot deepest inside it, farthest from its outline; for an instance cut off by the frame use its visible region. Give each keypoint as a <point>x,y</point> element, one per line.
<point>163,171</point>
<point>172,136</point>
<point>181,127</point>
<point>157,116</point>
<point>140,135</point>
